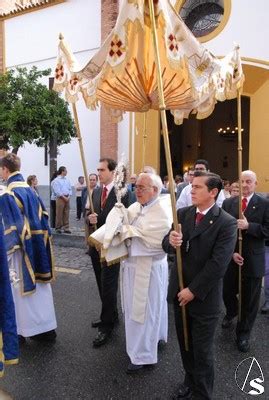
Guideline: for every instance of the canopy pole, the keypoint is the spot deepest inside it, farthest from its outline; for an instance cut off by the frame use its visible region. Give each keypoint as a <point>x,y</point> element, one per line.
<point>144,139</point>
<point>240,148</point>
<point>177,227</point>
<point>82,156</point>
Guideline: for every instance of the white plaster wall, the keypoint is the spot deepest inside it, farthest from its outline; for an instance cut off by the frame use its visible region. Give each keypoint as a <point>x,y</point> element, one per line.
<point>32,39</point>
<point>34,36</point>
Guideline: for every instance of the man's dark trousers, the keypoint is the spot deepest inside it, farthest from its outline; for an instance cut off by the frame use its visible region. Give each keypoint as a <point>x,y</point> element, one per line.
<point>201,330</point>
<point>106,276</point>
<point>79,207</point>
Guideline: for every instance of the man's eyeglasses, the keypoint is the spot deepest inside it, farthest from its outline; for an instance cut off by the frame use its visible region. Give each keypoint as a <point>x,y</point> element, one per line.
<point>140,188</point>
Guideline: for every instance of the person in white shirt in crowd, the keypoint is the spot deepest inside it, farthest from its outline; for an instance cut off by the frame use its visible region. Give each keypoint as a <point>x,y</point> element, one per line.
<point>188,178</point>
<point>53,201</point>
<point>63,191</point>
<point>184,199</point>
<point>79,186</point>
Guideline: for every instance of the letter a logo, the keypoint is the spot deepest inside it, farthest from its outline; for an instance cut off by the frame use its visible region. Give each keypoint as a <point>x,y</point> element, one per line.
<point>249,377</point>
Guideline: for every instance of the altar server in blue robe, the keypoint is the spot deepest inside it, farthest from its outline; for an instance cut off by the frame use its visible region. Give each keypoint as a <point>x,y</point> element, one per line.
<point>8,330</point>
<point>28,245</point>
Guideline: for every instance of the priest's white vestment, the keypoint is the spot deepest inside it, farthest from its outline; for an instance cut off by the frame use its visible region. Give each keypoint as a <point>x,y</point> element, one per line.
<point>144,281</point>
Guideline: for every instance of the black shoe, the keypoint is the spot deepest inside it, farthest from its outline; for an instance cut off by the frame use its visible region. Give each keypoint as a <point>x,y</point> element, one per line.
<point>243,345</point>
<point>161,345</point>
<point>101,338</point>
<point>227,322</point>
<point>49,336</point>
<point>96,323</point>
<point>21,340</point>
<point>58,231</point>
<point>133,368</point>
<point>265,308</point>
<point>67,231</point>
<point>183,392</point>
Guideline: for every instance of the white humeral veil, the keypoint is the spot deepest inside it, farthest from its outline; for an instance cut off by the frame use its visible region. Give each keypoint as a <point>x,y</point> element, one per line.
<point>35,312</point>
<point>136,235</point>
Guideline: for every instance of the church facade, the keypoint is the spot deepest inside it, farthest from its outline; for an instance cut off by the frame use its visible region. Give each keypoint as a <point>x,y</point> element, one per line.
<point>29,36</point>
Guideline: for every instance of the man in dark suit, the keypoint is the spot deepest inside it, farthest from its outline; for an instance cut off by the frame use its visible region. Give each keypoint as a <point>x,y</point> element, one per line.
<point>104,199</point>
<point>255,229</point>
<point>207,241</point>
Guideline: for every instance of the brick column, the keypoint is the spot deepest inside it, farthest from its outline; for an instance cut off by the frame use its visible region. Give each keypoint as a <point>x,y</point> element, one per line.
<point>108,130</point>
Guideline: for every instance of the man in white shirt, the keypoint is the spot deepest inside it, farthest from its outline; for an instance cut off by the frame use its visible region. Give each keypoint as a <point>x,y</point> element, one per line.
<point>63,191</point>
<point>184,199</point>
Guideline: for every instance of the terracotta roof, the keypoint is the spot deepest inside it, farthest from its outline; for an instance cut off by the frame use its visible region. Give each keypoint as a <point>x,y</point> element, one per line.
<point>11,7</point>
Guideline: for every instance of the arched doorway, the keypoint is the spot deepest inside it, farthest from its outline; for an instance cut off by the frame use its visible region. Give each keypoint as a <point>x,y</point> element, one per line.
<point>213,139</point>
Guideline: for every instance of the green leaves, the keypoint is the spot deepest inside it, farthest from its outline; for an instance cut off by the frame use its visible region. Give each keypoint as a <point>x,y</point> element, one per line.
<point>30,112</point>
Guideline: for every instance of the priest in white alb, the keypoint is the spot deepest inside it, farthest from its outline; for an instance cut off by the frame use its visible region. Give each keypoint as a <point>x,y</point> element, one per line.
<point>145,274</point>
<point>136,234</point>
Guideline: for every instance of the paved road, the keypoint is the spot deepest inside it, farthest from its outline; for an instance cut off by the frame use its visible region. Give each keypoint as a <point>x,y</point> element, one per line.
<point>72,369</point>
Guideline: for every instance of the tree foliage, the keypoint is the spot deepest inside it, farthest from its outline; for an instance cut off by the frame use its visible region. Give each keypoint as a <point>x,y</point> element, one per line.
<point>30,112</point>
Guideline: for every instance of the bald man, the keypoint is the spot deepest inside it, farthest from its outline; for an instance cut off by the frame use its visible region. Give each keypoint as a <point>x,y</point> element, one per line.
<point>255,229</point>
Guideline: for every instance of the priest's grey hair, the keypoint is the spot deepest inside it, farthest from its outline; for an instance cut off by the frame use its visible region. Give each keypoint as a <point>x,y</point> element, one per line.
<point>155,180</point>
<point>250,173</point>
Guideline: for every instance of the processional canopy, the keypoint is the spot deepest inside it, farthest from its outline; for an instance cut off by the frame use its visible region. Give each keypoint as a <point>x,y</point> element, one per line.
<point>122,74</point>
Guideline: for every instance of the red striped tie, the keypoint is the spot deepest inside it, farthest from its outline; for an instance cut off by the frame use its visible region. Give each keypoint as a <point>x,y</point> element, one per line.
<point>199,217</point>
<point>244,203</point>
<point>103,198</point>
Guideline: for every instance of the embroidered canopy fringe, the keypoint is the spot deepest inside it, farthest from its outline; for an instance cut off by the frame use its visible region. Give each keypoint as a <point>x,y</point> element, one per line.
<point>122,74</point>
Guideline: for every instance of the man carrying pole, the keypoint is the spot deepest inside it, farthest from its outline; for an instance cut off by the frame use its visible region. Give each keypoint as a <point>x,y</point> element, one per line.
<point>103,200</point>
<point>207,241</point>
<point>254,226</point>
